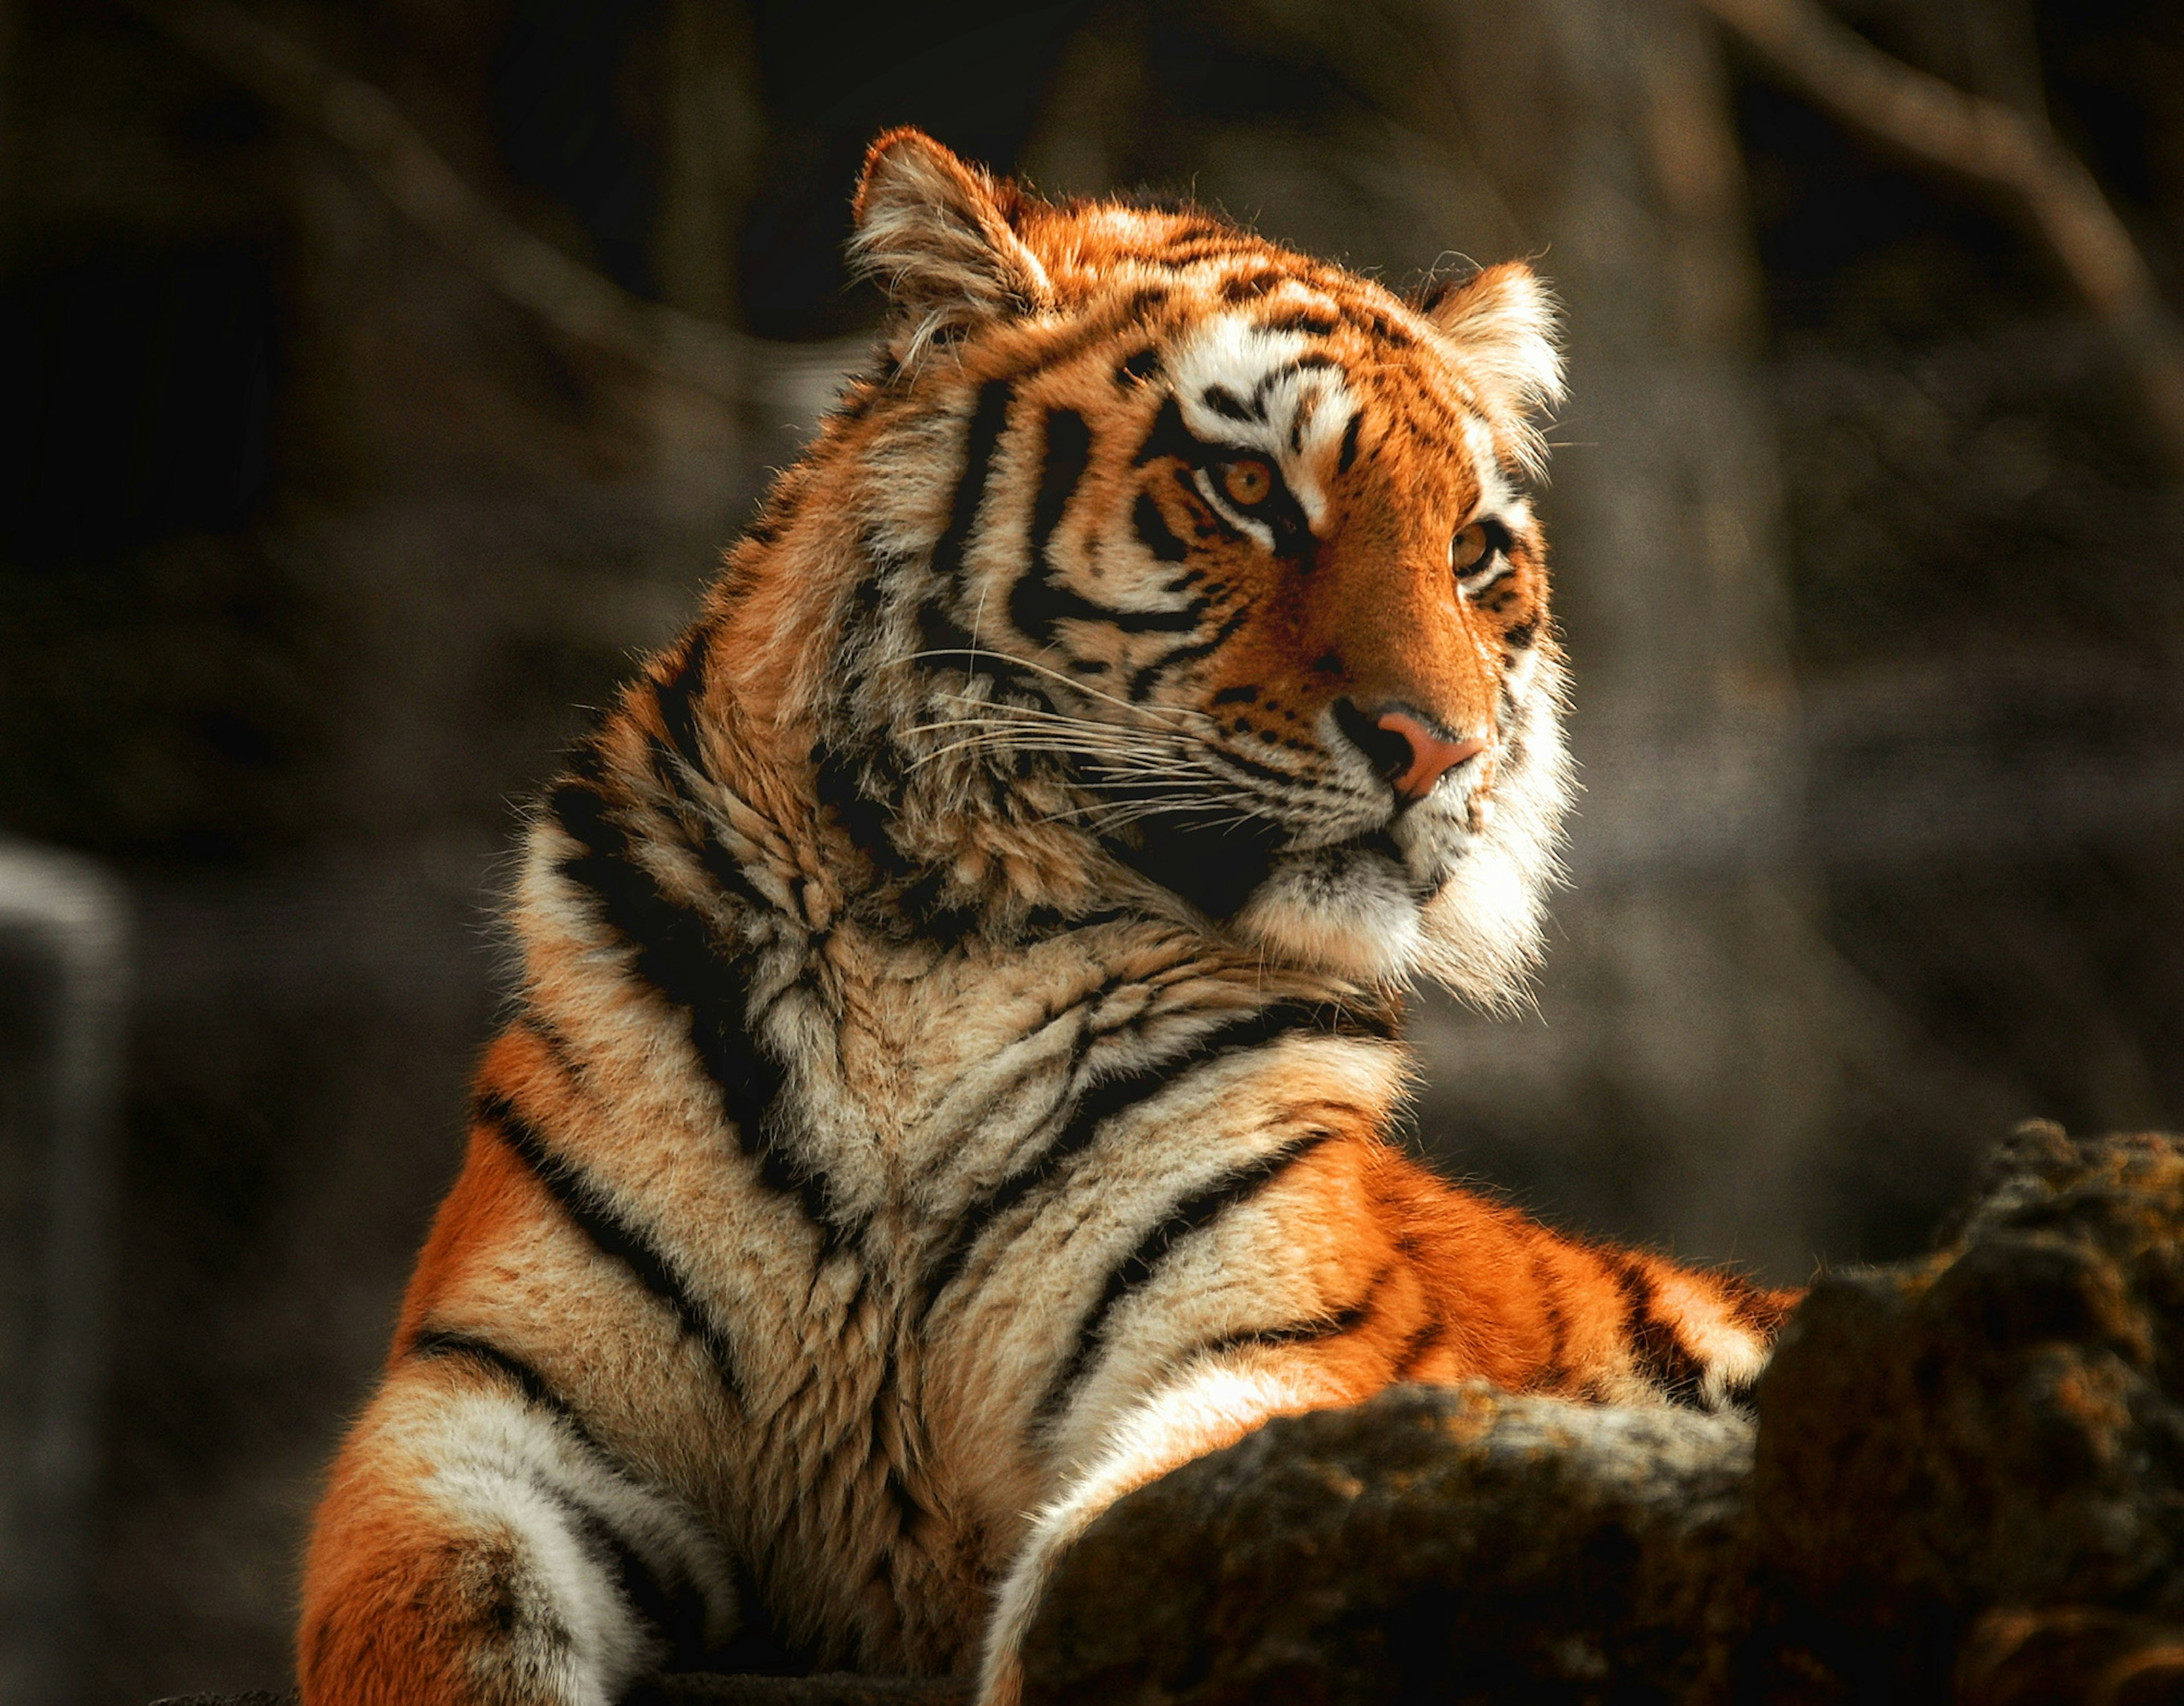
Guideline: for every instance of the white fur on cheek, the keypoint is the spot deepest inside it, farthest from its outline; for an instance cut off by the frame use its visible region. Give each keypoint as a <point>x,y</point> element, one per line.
<point>1351,910</point>
<point>1482,932</point>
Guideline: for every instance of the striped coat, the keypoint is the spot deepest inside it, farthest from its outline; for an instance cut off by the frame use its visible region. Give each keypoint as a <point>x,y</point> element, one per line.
<point>953,1070</point>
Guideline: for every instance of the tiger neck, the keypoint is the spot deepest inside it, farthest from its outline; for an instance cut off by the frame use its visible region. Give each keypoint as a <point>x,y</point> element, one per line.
<point>760,734</point>
<point>807,839</point>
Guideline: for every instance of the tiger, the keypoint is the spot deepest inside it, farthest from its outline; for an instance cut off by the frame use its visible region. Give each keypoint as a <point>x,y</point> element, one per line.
<point>953,1073</point>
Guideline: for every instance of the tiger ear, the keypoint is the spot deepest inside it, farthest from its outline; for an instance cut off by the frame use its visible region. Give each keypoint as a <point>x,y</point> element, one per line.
<point>1500,323</point>
<point>936,233</point>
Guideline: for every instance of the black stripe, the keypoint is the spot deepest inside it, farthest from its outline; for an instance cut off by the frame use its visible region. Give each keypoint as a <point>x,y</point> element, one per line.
<point>1313,1329</point>
<point>1140,369</point>
<point>857,401</point>
<point>1035,603</point>
<point>676,697</point>
<point>1225,402</point>
<point>777,514</point>
<point>1102,1101</point>
<point>1422,1339</point>
<point>1039,600</point>
<point>677,1612</point>
<point>676,955</point>
<point>1383,328</point>
<point>1348,451</point>
<point>1309,363</point>
<point>1180,255</point>
<point>989,418</point>
<point>1117,320</point>
<point>557,1046</point>
<point>1167,436</point>
<point>1154,533</point>
<point>588,1209</point>
<point>1193,1214</point>
<point>435,1343</point>
<point>939,632</point>
<point>1248,286</point>
<point>1661,1352</point>
<point>1305,320</point>
<point>1066,453</point>
<point>1236,762</point>
<point>843,782</point>
<point>1141,684</point>
<point>1306,1332</point>
<point>675,949</point>
<point>1556,1372</point>
<point>723,866</point>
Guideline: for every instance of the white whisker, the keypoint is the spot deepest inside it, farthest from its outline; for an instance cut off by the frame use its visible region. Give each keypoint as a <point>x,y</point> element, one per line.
<point>1082,687</point>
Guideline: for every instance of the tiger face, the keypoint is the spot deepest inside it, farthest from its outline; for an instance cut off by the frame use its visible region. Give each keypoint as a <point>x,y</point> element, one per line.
<point>1214,557</point>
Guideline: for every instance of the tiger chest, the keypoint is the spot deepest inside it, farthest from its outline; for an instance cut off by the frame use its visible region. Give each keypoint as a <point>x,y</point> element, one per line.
<point>1050,1187</point>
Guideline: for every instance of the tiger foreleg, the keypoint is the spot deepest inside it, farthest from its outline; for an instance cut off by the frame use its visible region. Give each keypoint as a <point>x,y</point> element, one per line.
<point>473,1551</point>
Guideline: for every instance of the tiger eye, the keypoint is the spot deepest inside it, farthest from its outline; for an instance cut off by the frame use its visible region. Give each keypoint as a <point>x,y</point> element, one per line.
<point>1468,549</point>
<point>1248,482</point>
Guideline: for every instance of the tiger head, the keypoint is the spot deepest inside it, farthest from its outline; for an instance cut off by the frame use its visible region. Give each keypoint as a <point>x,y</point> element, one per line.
<point>1170,561</point>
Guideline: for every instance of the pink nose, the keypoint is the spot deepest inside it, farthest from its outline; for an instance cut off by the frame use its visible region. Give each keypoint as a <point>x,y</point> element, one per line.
<point>1431,757</point>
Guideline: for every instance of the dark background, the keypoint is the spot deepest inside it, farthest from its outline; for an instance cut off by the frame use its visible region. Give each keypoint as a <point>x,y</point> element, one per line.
<point>315,546</point>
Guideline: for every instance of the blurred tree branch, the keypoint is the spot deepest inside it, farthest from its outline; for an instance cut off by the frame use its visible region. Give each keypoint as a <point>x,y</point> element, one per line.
<point>1992,143</point>
<point>571,298</point>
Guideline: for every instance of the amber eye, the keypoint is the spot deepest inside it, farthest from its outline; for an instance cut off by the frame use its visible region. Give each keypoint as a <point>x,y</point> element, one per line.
<point>1468,548</point>
<point>1247,482</point>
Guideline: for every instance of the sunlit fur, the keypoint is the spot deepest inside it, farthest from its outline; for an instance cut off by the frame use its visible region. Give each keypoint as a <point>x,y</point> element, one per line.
<point>953,1070</point>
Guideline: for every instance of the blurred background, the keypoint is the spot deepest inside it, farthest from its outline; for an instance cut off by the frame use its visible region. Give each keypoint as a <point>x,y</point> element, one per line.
<point>380,378</point>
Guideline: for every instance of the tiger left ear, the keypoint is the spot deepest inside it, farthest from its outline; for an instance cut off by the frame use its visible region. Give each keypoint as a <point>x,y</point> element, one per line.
<point>1500,323</point>
<point>936,232</point>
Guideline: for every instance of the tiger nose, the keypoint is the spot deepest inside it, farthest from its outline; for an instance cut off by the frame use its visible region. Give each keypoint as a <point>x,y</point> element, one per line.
<point>1407,751</point>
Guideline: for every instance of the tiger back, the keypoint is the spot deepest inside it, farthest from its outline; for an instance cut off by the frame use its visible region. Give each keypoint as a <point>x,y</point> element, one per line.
<point>955,1061</point>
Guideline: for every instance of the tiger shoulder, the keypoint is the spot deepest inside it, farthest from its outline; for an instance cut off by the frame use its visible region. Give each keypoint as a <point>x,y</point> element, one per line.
<point>954,1069</point>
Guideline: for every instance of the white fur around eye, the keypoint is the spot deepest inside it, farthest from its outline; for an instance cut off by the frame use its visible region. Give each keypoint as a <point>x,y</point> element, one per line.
<point>1294,417</point>
<point>1202,480</point>
<point>1491,568</point>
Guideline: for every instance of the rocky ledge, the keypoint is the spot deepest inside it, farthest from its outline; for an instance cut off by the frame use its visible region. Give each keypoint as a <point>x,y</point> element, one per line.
<point>1964,1482</point>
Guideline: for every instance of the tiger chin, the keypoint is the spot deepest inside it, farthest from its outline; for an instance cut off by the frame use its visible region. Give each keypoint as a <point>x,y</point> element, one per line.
<point>955,1068</point>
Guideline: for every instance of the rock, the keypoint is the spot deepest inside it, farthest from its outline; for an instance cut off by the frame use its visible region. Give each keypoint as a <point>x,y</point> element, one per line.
<point>1997,1426</point>
<point>1966,1482</point>
<point>1449,1544</point>
<point>250,1697</point>
<point>2072,1652</point>
<point>832,1688</point>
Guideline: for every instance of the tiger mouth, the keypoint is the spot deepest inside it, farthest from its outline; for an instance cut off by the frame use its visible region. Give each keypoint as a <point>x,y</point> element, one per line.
<point>1379,841</point>
<point>1217,868</point>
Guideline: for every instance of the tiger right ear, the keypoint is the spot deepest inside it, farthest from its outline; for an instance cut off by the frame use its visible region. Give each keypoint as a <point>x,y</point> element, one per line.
<point>1500,323</point>
<point>936,233</point>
